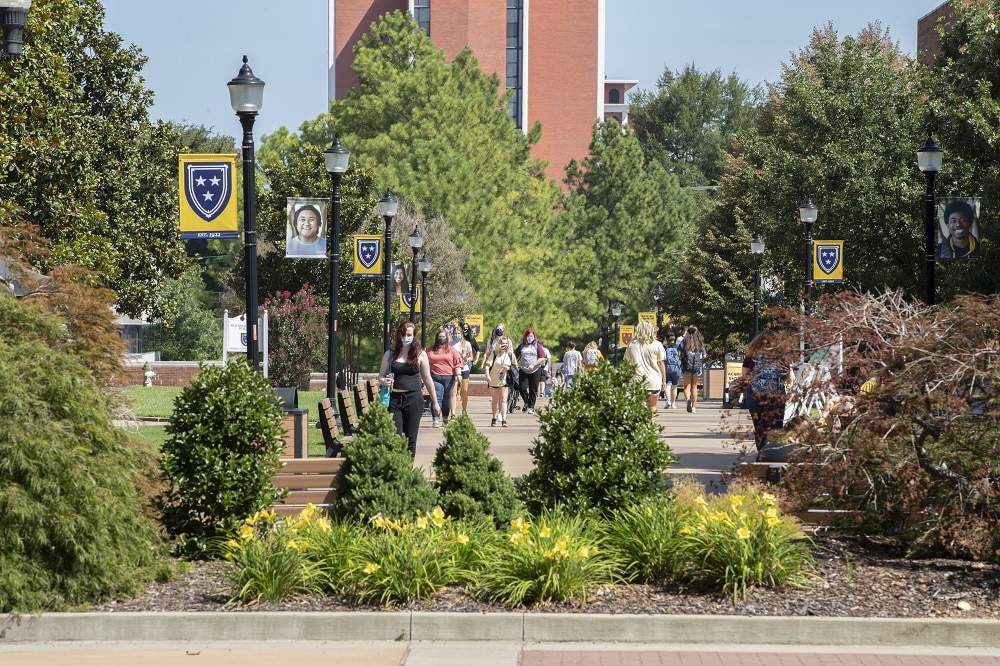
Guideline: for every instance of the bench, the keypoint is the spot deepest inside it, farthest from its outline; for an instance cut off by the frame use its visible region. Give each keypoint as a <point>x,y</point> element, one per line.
<point>308,481</point>
<point>327,423</point>
<point>361,398</point>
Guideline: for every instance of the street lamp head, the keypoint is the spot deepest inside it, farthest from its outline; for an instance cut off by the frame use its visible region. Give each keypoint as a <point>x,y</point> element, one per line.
<point>657,293</point>
<point>416,240</point>
<point>246,91</point>
<point>808,211</point>
<point>336,156</point>
<point>929,156</point>
<point>616,310</point>
<point>388,204</point>
<point>425,265</point>
<point>757,244</point>
<point>13,18</point>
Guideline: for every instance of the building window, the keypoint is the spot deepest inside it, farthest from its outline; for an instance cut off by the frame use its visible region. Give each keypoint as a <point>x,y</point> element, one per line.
<point>613,97</point>
<point>422,13</point>
<point>515,59</point>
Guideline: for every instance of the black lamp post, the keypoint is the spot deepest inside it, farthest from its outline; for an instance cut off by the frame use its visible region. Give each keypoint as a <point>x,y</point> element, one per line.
<point>246,94</point>
<point>13,18</point>
<point>616,311</point>
<point>425,268</point>
<point>658,297</point>
<point>336,157</point>
<point>757,248</point>
<point>387,205</point>
<point>929,160</point>
<point>416,242</point>
<point>807,213</point>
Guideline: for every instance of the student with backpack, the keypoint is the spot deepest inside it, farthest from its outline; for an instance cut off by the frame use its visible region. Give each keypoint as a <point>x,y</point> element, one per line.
<point>673,367</point>
<point>531,357</point>
<point>591,356</point>
<point>692,352</point>
<point>765,371</point>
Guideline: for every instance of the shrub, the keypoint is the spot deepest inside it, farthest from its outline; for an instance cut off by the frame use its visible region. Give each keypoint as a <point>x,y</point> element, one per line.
<point>598,447</point>
<point>470,481</point>
<point>297,330</point>
<point>378,476</point>
<point>222,449</point>
<point>72,530</point>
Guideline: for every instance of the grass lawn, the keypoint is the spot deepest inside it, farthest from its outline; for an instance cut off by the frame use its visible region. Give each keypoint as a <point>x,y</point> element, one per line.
<point>152,402</point>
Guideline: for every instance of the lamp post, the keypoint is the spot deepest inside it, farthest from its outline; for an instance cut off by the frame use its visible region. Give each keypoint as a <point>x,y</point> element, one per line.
<point>807,213</point>
<point>757,248</point>
<point>616,311</point>
<point>416,242</point>
<point>13,18</point>
<point>658,297</point>
<point>246,95</point>
<point>387,205</point>
<point>425,268</point>
<point>336,157</point>
<point>929,161</point>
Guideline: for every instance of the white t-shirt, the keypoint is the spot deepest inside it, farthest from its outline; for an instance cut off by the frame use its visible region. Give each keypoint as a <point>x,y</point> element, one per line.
<point>647,357</point>
<point>571,362</point>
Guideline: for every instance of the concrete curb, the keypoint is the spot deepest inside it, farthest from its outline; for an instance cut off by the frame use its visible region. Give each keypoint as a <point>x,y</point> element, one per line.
<point>517,627</point>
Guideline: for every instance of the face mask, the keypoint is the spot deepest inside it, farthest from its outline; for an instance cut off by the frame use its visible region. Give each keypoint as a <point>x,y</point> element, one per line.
<point>407,339</point>
<point>441,341</point>
<point>456,337</point>
<point>530,339</point>
<point>498,332</point>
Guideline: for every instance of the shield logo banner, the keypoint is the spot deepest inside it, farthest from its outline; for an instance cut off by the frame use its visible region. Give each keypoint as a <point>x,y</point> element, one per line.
<point>368,251</point>
<point>206,188</point>
<point>828,258</point>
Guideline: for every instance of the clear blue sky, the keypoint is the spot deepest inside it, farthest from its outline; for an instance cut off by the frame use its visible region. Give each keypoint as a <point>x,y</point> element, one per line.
<point>196,46</point>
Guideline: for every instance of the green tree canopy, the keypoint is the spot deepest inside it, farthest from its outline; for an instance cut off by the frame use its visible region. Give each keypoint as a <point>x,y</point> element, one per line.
<point>80,158</point>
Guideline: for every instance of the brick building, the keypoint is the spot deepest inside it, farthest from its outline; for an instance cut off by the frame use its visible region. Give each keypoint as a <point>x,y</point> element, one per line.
<point>928,43</point>
<point>549,53</point>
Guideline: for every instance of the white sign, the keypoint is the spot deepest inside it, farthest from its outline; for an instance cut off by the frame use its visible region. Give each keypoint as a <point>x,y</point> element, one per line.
<point>236,334</point>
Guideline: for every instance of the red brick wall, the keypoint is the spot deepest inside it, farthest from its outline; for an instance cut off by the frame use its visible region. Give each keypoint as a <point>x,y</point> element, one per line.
<point>167,374</point>
<point>353,18</point>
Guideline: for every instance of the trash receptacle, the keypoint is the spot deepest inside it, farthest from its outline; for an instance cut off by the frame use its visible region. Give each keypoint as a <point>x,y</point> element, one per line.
<point>714,379</point>
<point>296,425</point>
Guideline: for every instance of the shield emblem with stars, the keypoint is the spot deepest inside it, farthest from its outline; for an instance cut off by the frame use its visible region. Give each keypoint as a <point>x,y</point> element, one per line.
<point>368,251</point>
<point>828,258</point>
<point>206,188</point>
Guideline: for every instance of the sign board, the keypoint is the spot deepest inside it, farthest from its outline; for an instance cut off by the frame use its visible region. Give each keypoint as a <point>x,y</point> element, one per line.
<point>367,256</point>
<point>625,334</point>
<point>828,261</point>
<point>207,186</point>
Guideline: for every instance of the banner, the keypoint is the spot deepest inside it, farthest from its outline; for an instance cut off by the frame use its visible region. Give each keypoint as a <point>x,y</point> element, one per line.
<point>828,261</point>
<point>475,322</point>
<point>305,228</point>
<point>958,228</point>
<point>625,334</point>
<point>404,303</point>
<point>207,196</point>
<point>367,256</point>
<point>647,316</point>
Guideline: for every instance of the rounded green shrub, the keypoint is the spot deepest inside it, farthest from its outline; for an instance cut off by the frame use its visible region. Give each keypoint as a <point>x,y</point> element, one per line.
<point>470,480</point>
<point>72,529</point>
<point>222,449</point>
<point>598,448</point>
<point>378,474</point>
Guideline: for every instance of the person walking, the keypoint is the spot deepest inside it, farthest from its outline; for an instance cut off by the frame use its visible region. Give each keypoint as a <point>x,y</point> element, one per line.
<point>531,357</point>
<point>692,354</point>
<point>572,362</point>
<point>592,356</point>
<point>672,365</point>
<point>765,369</point>
<point>646,353</point>
<point>446,368</point>
<point>403,369</point>
<point>464,351</point>
<point>498,363</point>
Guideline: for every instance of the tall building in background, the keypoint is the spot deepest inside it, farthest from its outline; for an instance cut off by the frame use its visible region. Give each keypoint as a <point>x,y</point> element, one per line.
<point>548,53</point>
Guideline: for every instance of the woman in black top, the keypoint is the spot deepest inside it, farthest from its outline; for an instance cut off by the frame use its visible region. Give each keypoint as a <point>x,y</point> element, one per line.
<point>408,365</point>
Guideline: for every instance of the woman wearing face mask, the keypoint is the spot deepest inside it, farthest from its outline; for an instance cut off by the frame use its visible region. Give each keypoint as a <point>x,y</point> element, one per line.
<point>464,349</point>
<point>403,369</point>
<point>531,357</point>
<point>446,366</point>
<point>497,363</point>
<point>494,342</point>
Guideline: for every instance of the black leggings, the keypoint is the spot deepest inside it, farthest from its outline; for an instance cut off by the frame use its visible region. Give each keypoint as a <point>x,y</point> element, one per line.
<point>528,387</point>
<point>407,409</point>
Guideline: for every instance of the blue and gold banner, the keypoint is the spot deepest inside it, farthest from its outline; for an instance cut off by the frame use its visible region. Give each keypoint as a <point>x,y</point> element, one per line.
<point>208,196</point>
<point>368,255</point>
<point>828,261</point>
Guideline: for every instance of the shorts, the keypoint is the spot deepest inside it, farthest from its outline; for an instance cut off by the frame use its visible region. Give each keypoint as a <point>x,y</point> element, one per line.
<point>674,378</point>
<point>465,374</point>
<point>656,392</point>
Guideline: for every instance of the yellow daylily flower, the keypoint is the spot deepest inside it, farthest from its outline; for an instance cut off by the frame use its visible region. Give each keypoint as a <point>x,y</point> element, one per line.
<point>421,523</point>
<point>462,539</point>
<point>735,500</point>
<point>371,568</point>
<point>545,532</point>
<point>743,533</point>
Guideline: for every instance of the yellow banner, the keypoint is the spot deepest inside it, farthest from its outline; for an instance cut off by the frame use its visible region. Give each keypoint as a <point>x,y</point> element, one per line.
<point>404,303</point>
<point>368,255</point>
<point>625,334</point>
<point>208,196</point>
<point>475,322</point>
<point>828,261</point>
<point>647,316</point>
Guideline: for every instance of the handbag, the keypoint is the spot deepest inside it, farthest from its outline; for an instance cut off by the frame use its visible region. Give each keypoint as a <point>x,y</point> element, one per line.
<point>383,395</point>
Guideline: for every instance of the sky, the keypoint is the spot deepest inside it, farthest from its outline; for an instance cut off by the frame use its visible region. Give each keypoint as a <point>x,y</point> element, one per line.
<point>195,47</point>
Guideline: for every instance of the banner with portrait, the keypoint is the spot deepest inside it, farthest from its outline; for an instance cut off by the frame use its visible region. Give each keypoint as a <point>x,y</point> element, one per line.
<point>400,282</point>
<point>305,229</point>
<point>958,228</point>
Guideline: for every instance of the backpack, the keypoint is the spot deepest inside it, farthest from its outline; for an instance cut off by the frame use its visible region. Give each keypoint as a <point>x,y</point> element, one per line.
<point>673,361</point>
<point>590,357</point>
<point>766,376</point>
<point>691,362</point>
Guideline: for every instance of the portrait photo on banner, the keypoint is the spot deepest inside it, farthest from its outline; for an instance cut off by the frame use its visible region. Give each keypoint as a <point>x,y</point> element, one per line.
<point>400,285</point>
<point>305,230</point>
<point>958,228</point>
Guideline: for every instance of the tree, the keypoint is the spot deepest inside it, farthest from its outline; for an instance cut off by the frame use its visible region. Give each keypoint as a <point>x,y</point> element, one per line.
<point>689,122</point>
<point>297,337</point>
<point>80,158</point>
<point>188,331</point>
<point>625,227</point>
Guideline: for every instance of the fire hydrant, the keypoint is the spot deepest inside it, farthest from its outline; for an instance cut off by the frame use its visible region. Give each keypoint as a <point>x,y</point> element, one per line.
<point>147,374</point>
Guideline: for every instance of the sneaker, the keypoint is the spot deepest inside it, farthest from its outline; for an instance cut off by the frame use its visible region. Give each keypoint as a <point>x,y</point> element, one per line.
<point>503,423</point>
<point>690,407</point>
<point>493,423</point>
<point>693,410</point>
<point>437,424</point>
<point>530,410</point>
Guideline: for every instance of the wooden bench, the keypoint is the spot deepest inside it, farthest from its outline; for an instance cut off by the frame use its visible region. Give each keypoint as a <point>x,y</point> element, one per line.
<point>361,398</point>
<point>348,415</point>
<point>308,481</point>
<point>327,423</point>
